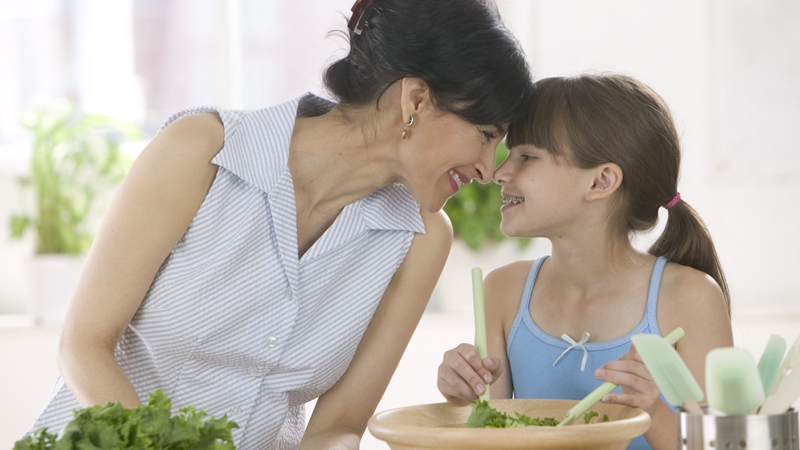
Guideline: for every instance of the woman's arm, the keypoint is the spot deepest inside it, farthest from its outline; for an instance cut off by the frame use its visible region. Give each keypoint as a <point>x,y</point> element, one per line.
<point>341,414</point>
<point>149,214</point>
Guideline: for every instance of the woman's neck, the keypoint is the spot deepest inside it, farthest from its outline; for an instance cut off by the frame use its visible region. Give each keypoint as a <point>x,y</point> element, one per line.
<point>334,162</point>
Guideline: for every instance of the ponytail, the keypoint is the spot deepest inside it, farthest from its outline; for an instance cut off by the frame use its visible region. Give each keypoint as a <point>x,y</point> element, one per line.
<point>686,241</point>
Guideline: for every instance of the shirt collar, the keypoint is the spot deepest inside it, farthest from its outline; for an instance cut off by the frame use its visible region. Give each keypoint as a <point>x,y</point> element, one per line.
<point>257,150</point>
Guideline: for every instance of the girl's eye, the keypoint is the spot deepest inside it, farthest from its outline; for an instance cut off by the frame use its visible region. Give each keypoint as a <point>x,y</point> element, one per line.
<point>527,157</point>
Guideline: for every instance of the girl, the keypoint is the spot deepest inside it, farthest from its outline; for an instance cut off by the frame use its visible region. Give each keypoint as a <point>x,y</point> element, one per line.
<point>591,164</point>
<point>252,261</point>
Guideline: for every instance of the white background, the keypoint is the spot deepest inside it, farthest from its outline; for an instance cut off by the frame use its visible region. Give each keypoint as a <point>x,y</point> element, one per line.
<point>728,69</point>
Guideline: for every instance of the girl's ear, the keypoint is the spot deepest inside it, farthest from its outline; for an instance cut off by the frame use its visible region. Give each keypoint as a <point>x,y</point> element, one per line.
<point>607,179</point>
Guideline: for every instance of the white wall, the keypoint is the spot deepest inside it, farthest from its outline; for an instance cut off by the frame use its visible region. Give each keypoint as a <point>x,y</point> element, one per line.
<point>683,48</point>
<point>687,51</point>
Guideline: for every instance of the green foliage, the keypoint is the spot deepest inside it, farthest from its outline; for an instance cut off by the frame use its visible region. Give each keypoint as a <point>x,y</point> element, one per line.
<point>75,158</point>
<point>145,427</point>
<point>484,416</point>
<point>475,211</point>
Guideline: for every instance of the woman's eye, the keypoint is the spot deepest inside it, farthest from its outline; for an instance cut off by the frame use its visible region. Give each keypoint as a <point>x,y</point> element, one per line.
<point>489,135</point>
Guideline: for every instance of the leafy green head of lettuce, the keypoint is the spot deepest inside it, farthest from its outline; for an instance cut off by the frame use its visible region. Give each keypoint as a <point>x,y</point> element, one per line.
<point>146,427</point>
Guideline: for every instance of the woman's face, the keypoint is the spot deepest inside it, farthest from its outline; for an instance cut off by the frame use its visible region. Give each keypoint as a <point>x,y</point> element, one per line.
<point>442,152</point>
<point>542,194</point>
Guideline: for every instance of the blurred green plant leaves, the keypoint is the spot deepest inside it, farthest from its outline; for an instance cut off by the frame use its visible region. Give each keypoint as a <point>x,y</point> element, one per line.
<point>475,211</point>
<point>75,158</point>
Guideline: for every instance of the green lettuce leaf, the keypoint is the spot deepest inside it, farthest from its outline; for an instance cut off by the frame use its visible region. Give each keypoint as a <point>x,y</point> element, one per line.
<point>148,426</point>
<point>484,416</point>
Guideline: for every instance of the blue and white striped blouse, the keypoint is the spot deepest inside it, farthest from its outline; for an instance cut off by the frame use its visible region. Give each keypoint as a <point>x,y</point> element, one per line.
<point>234,323</point>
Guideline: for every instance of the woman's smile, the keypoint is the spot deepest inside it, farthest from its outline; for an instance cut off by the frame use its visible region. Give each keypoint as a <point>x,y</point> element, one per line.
<point>457,179</point>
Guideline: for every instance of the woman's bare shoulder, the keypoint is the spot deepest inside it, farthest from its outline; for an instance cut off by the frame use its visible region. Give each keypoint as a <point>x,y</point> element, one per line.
<point>192,136</point>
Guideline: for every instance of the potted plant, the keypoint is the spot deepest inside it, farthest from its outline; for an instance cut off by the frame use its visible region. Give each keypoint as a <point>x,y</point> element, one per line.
<point>75,159</point>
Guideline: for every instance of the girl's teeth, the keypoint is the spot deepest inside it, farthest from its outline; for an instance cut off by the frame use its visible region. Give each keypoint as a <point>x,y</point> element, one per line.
<point>514,200</point>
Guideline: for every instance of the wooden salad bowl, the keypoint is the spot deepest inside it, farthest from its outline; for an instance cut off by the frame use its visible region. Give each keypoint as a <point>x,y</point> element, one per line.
<point>442,426</point>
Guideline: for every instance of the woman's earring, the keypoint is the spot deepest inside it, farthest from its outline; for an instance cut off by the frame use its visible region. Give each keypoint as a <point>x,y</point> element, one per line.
<point>407,126</point>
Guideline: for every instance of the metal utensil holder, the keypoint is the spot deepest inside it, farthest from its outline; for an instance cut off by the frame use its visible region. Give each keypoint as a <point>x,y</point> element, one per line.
<point>750,432</point>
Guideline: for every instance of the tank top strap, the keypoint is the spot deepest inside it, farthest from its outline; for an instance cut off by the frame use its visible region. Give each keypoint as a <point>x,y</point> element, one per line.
<point>652,295</point>
<point>526,298</point>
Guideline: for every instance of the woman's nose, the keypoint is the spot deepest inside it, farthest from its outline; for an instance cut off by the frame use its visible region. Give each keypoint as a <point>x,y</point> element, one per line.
<point>485,167</point>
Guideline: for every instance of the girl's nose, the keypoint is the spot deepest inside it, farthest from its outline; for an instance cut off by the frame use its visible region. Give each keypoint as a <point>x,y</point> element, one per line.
<point>501,174</point>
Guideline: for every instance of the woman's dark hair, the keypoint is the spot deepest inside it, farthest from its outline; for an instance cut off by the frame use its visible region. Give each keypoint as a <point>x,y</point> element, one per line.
<point>591,120</point>
<point>473,65</point>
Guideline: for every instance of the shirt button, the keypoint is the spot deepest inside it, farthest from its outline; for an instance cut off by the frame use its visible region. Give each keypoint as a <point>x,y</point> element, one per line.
<point>235,411</point>
<point>288,292</point>
<point>252,370</point>
<point>272,341</point>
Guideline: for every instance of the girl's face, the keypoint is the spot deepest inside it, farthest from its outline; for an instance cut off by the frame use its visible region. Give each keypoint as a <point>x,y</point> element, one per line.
<point>543,195</point>
<point>443,152</point>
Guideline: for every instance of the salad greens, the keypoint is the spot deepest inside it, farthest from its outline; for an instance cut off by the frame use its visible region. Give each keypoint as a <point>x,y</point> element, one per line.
<point>146,427</point>
<point>591,414</point>
<point>484,416</point>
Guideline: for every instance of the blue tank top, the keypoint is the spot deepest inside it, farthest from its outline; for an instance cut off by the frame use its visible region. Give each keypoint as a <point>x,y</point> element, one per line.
<point>543,366</point>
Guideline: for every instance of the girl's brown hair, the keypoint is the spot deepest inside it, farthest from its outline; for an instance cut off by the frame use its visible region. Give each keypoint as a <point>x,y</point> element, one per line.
<point>591,120</point>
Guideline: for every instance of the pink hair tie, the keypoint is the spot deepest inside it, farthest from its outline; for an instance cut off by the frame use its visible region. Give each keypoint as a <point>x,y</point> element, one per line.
<point>674,201</point>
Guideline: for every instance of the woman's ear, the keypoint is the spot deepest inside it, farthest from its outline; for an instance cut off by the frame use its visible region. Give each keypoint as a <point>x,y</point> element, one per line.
<point>607,179</point>
<point>414,96</point>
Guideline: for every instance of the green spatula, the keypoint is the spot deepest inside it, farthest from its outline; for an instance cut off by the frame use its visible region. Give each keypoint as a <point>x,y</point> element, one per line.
<point>770,361</point>
<point>670,373</point>
<point>597,394</point>
<point>480,319</point>
<point>786,387</point>
<point>732,382</point>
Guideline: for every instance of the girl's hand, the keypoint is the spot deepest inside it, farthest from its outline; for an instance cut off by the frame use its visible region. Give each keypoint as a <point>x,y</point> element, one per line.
<point>463,376</point>
<point>629,372</point>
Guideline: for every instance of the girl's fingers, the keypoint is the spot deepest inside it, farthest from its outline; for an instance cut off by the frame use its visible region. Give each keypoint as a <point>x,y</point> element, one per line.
<point>635,382</point>
<point>463,376</point>
<point>493,365</point>
<point>630,366</point>
<point>634,401</point>
<point>454,388</point>
<point>469,353</point>
<point>638,388</point>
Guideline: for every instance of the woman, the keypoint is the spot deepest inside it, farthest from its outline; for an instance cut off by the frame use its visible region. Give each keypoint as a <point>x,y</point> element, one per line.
<point>253,261</point>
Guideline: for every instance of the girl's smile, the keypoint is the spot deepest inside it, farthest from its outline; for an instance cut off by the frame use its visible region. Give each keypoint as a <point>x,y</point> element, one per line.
<point>510,201</point>
<point>557,185</point>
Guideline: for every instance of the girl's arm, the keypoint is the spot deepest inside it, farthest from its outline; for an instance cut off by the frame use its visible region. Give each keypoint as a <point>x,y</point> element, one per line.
<point>341,414</point>
<point>689,299</point>
<point>149,214</point>
<point>462,374</point>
